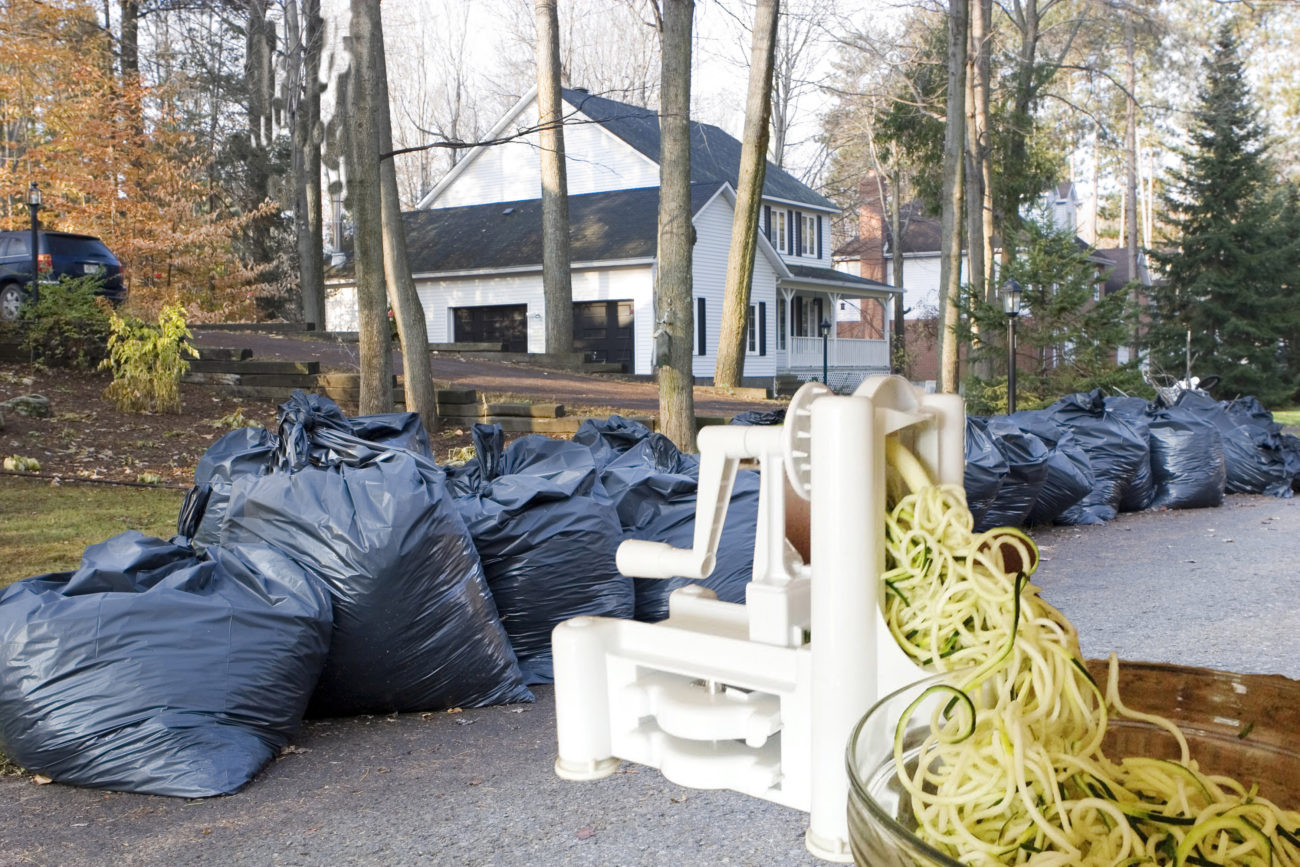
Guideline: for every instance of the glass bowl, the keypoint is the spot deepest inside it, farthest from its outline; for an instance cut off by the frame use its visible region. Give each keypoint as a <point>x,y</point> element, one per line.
<point>1243,726</point>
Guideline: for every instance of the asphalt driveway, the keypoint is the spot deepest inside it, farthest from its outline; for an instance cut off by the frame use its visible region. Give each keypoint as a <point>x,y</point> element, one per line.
<point>1215,587</point>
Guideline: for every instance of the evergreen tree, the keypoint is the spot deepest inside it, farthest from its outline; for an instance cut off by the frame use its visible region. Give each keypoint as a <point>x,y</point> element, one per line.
<point>1224,305</point>
<point>1066,336</point>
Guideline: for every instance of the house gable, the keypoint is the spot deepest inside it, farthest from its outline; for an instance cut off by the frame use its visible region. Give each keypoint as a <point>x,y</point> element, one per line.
<point>598,161</point>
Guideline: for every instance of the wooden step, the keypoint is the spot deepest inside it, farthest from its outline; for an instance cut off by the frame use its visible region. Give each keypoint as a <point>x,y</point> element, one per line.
<point>200,365</point>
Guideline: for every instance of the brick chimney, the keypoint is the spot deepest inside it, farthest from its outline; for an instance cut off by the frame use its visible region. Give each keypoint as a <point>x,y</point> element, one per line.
<point>871,229</point>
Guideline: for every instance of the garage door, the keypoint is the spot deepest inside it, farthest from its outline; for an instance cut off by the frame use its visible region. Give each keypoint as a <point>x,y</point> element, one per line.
<point>603,330</point>
<point>506,324</point>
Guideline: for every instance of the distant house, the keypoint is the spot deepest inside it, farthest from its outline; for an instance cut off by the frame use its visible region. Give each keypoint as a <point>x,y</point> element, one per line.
<point>871,254</point>
<point>474,244</point>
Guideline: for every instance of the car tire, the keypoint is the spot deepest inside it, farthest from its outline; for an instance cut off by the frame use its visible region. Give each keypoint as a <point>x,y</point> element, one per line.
<point>11,301</point>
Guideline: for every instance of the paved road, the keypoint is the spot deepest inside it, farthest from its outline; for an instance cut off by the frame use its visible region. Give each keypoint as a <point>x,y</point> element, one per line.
<point>630,396</point>
<point>1217,587</point>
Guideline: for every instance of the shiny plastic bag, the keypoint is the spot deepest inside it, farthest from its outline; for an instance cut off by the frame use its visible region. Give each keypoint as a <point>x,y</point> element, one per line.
<point>153,669</point>
<point>547,534</point>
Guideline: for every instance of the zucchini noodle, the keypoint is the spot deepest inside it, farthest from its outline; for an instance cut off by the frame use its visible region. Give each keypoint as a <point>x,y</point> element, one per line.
<point>1012,770</point>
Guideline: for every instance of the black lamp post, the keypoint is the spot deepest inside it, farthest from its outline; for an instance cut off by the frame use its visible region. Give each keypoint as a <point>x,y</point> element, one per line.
<point>824,329</point>
<point>34,207</point>
<point>1011,297</point>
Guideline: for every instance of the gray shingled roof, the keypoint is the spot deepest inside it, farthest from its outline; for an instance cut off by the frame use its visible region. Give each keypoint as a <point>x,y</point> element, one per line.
<point>715,156</point>
<point>622,224</point>
<point>810,272</point>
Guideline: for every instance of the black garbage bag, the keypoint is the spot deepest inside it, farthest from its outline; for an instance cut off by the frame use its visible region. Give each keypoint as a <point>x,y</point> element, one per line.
<point>1278,449</point>
<point>247,451</point>
<point>1187,460</point>
<point>152,669</point>
<point>611,437</point>
<point>1026,459</point>
<point>1069,472</point>
<point>985,468</point>
<point>547,534</point>
<point>1141,488</point>
<point>251,450</point>
<point>415,627</point>
<point>1115,451</point>
<point>654,489</point>
<point>1254,453</point>
<point>758,417</point>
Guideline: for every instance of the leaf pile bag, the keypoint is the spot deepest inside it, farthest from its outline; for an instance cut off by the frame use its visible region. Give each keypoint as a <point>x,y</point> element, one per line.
<point>251,450</point>
<point>1255,456</point>
<point>547,535</point>
<point>1026,459</point>
<point>1187,460</point>
<point>415,626</point>
<point>1069,473</point>
<point>985,468</point>
<point>1141,488</point>
<point>153,669</point>
<point>1115,450</point>
<point>654,487</point>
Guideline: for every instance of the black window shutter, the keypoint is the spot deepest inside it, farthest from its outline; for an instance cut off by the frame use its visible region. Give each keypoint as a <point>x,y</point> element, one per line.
<point>767,223</point>
<point>762,328</point>
<point>699,326</point>
<point>798,233</point>
<point>819,237</point>
<point>789,231</point>
<point>798,317</point>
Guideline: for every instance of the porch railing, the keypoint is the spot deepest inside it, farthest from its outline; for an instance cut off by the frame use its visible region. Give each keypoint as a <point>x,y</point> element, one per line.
<point>841,352</point>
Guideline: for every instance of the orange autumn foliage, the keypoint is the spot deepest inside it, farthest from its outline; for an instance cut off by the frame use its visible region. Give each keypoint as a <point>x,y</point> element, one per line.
<point>110,162</point>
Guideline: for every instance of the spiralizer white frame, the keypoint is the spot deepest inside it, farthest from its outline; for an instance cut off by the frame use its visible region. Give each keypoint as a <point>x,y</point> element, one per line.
<point>760,698</point>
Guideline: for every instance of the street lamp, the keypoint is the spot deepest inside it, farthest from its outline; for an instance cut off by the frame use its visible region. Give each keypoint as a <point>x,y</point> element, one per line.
<point>34,207</point>
<point>824,329</point>
<point>1011,296</point>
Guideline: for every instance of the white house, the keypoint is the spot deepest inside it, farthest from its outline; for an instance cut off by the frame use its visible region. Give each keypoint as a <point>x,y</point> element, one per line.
<point>474,244</point>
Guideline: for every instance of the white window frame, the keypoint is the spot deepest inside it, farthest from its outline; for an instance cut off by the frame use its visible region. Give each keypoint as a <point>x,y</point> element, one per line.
<point>779,229</point>
<point>809,235</point>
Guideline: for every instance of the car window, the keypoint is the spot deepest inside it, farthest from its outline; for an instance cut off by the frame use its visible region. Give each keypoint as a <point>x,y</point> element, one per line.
<point>60,245</point>
<point>14,245</point>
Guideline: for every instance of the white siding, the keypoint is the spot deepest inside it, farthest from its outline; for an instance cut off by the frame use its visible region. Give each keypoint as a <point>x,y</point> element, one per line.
<point>597,161</point>
<point>709,273</point>
<point>921,283</point>
<point>811,260</point>
<point>440,295</point>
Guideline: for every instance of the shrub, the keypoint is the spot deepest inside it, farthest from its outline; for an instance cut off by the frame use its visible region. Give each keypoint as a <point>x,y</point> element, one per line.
<point>148,361</point>
<point>68,325</point>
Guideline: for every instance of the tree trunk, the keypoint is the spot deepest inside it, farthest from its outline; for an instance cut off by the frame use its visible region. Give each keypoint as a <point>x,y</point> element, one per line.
<point>557,285</point>
<point>749,199</point>
<point>304,106</point>
<point>1130,165</point>
<point>130,42</point>
<point>950,218</point>
<point>366,205</point>
<point>408,312</point>
<point>899,350</point>
<point>673,287</point>
<point>979,193</point>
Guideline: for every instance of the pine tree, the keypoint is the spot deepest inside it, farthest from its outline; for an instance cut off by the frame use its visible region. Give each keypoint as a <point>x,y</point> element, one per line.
<point>1228,270</point>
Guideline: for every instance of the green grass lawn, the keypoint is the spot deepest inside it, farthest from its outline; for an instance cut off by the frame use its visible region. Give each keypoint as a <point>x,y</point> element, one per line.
<point>1288,417</point>
<point>44,528</point>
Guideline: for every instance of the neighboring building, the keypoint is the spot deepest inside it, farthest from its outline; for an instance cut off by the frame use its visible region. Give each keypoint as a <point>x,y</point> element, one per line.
<point>871,254</point>
<point>474,245</point>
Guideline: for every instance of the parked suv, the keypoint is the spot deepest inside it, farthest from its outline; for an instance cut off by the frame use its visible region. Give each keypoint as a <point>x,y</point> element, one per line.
<point>58,254</point>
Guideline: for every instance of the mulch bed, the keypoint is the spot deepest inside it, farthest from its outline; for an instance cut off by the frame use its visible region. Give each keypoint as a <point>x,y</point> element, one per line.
<point>87,437</point>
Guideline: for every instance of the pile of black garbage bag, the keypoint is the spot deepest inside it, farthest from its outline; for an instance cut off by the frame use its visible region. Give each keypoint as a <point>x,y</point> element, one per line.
<point>331,567</point>
<point>1088,457</point>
